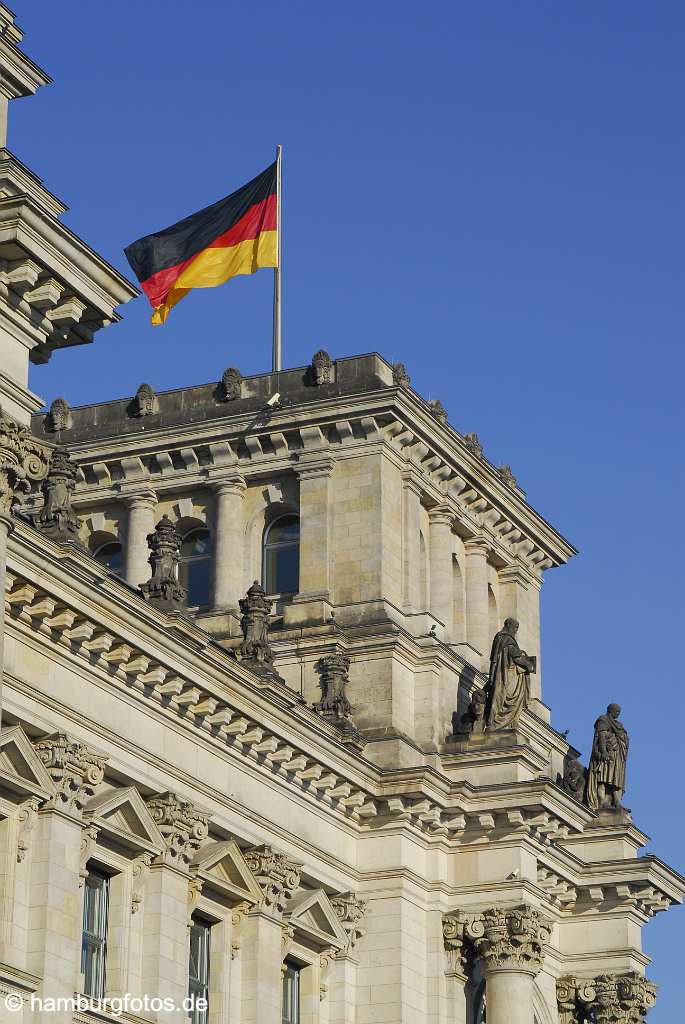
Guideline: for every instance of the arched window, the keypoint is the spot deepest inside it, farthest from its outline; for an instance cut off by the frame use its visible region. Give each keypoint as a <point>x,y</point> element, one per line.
<point>111,555</point>
<point>281,561</point>
<point>195,566</point>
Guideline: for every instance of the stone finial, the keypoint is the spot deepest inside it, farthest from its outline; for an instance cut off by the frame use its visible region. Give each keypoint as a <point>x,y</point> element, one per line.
<point>278,876</point>
<point>57,518</point>
<point>74,769</point>
<point>145,402</point>
<point>438,410</point>
<point>400,377</point>
<point>506,937</point>
<point>334,706</point>
<point>507,477</point>
<point>321,368</point>
<point>350,911</point>
<point>231,384</point>
<point>255,608</point>
<point>606,999</point>
<point>183,827</point>
<point>22,460</point>
<point>606,775</point>
<point>59,416</point>
<point>472,442</point>
<point>163,589</point>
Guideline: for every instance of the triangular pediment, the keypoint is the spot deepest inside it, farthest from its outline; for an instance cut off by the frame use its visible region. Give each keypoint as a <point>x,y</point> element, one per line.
<point>314,920</point>
<point>22,773</point>
<point>123,815</point>
<point>223,866</point>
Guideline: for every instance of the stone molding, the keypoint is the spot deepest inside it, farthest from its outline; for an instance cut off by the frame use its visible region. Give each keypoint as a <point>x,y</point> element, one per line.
<point>605,999</point>
<point>505,939</point>
<point>229,485</point>
<point>183,827</point>
<point>75,770</point>
<point>277,875</point>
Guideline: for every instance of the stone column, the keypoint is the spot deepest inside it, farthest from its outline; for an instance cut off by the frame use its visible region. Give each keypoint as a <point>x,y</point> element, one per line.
<point>441,519</point>
<point>411,547</point>
<point>476,588</point>
<point>141,522</point>
<point>510,945</point>
<point>229,541</point>
<point>312,603</point>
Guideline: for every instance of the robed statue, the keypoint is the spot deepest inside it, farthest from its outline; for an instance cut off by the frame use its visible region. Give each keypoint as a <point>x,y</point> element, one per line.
<point>508,688</point>
<point>606,777</point>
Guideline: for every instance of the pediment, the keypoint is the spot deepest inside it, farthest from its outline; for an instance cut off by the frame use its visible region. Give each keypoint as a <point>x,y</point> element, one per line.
<point>314,920</point>
<point>22,773</point>
<point>223,866</point>
<point>123,815</point>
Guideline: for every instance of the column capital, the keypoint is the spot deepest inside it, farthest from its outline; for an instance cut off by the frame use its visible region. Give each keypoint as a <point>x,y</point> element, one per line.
<point>477,545</point>
<point>277,875</point>
<point>74,769</point>
<point>508,939</point>
<point>317,466</point>
<point>411,481</point>
<point>234,484</point>
<point>184,828</point>
<point>441,515</point>
<point>145,497</point>
<point>610,998</point>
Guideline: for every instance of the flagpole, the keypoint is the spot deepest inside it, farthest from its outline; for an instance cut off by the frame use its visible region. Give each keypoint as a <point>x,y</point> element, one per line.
<point>276,356</point>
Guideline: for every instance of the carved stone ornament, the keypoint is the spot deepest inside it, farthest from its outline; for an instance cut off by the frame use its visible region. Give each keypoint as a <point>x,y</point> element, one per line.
<point>163,589</point>
<point>350,911</point>
<point>255,608</point>
<point>57,518</point>
<point>22,460</point>
<point>400,377</point>
<point>145,402</point>
<point>573,781</point>
<point>334,705</point>
<point>278,876</point>
<point>26,819</point>
<point>506,938</point>
<point>231,384</point>
<point>472,442</point>
<point>459,951</point>
<point>140,869</point>
<point>183,827</point>
<point>606,999</point>
<point>89,837</point>
<point>507,477</point>
<point>75,770</point>
<point>438,410</point>
<point>472,722</point>
<point>59,417</point>
<point>321,368</point>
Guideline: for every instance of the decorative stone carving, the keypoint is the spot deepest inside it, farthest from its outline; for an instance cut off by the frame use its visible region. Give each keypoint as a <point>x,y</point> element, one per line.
<point>508,687</point>
<point>194,893</point>
<point>145,402</point>
<point>140,869</point>
<point>26,819</point>
<point>22,460</point>
<point>606,777</point>
<point>472,722</point>
<point>607,999</point>
<point>508,938</point>
<point>400,377</point>
<point>321,370</point>
<point>57,518</point>
<point>456,945</point>
<point>255,608</point>
<point>438,410</point>
<point>59,417</point>
<point>573,781</point>
<point>507,477</point>
<point>472,442</point>
<point>74,769</point>
<point>163,589</point>
<point>334,705</point>
<point>231,386</point>
<point>278,876</point>
<point>350,911</point>
<point>183,827</point>
<point>89,837</point>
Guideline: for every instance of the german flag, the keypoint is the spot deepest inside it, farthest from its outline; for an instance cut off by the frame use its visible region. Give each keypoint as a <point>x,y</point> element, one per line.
<point>237,235</point>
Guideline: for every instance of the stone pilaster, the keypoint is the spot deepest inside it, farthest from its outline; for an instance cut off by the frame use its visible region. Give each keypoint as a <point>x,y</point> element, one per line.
<point>606,999</point>
<point>411,542</point>
<point>229,543</point>
<point>441,519</point>
<point>141,522</point>
<point>312,603</point>
<point>476,587</point>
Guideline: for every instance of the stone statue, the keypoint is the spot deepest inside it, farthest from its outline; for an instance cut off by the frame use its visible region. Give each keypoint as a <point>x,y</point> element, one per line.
<point>334,706</point>
<point>255,608</point>
<point>59,417</point>
<point>508,688</point>
<point>438,410</point>
<point>573,780</point>
<point>322,368</point>
<point>400,377</point>
<point>57,518</point>
<point>473,719</point>
<point>606,777</point>
<point>163,589</point>
<point>231,384</point>
<point>472,442</point>
<point>506,476</point>
<point>145,402</point>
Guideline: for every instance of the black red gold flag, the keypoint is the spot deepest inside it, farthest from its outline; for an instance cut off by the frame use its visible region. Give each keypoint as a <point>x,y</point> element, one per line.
<point>236,235</point>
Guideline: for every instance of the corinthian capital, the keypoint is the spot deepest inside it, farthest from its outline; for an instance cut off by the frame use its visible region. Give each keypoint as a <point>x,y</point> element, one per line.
<point>350,911</point>
<point>277,875</point>
<point>183,827</point>
<point>75,770</point>
<point>509,939</point>
<point>607,999</point>
<point>23,459</point>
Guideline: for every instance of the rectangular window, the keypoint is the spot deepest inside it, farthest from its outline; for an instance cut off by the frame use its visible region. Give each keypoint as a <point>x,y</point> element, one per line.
<point>291,993</point>
<point>198,971</point>
<point>94,941</point>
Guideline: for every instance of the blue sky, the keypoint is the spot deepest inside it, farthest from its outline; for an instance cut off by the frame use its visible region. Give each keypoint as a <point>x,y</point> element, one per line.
<point>491,193</point>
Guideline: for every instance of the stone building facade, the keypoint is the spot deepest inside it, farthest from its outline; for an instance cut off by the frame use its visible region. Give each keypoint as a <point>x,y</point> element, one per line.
<point>244,625</point>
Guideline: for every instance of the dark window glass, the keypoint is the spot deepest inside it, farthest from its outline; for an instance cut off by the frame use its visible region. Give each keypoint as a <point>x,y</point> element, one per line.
<point>291,993</point>
<point>195,566</point>
<point>198,970</point>
<point>282,556</point>
<point>111,555</point>
<point>480,1014</point>
<point>94,940</point>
